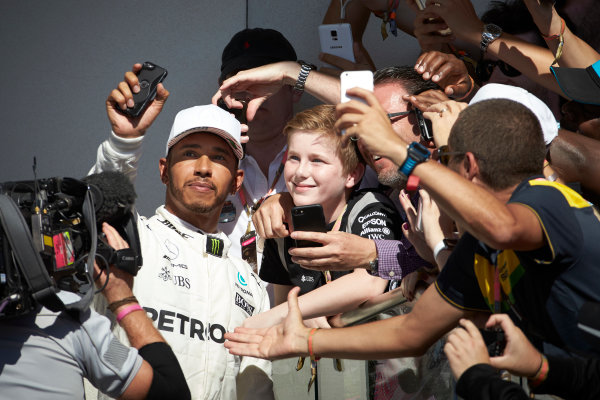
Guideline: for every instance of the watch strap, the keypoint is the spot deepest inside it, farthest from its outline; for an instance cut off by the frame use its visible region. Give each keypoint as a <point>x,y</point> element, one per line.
<point>305,69</point>
<point>490,33</point>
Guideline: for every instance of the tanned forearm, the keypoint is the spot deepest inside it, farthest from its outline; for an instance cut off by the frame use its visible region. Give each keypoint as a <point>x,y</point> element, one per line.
<point>402,336</point>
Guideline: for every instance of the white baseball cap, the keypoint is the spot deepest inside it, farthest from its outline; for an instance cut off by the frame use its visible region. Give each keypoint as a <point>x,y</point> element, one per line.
<point>208,118</point>
<point>520,95</point>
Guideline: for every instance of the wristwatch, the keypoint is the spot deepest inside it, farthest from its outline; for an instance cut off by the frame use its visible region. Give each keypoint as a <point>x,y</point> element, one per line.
<point>374,267</point>
<point>305,69</point>
<point>417,153</point>
<point>490,33</point>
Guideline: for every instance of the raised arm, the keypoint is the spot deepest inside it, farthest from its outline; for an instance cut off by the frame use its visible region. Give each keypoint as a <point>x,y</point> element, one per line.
<point>500,225</point>
<point>122,151</point>
<point>402,336</point>
<point>258,84</point>
<point>531,60</point>
<point>575,52</point>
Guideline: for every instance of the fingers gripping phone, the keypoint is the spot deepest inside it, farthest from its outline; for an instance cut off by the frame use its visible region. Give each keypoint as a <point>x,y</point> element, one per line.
<point>421,4</point>
<point>148,77</point>
<point>238,113</point>
<point>351,79</point>
<point>425,127</point>
<point>308,218</point>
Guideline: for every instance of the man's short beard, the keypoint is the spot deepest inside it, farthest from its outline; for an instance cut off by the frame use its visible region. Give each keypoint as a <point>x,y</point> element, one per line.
<point>202,208</point>
<point>392,179</point>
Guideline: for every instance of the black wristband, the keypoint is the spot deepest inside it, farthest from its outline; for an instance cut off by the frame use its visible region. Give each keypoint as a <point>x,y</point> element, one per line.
<point>168,381</point>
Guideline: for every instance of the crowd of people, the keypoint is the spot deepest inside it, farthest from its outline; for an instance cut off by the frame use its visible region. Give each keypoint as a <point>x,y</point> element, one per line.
<point>488,227</point>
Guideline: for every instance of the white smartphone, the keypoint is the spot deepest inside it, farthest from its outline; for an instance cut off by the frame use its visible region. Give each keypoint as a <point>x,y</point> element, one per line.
<point>336,39</point>
<point>421,4</point>
<point>351,79</point>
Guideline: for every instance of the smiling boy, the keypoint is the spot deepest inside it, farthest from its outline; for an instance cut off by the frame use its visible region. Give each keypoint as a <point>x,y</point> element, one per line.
<point>320,170</point>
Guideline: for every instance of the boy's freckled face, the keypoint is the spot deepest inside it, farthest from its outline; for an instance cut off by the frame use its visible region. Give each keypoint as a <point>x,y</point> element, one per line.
<point>313,171</point>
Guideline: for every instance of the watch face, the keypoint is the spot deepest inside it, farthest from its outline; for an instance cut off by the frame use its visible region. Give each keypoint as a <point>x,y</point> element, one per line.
<point>493,30</point>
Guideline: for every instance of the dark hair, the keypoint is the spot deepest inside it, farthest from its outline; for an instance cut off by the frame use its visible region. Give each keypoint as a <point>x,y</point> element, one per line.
<point>405,76</point>
<point>506,139</point>
<point>513,17</point>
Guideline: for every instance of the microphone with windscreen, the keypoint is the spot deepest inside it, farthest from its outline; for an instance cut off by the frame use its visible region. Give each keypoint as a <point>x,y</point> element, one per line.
<point>114,198</point>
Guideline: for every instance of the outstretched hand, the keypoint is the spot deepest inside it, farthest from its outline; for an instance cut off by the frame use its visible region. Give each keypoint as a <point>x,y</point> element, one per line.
<point>288,339</point>
<point>122,97</point>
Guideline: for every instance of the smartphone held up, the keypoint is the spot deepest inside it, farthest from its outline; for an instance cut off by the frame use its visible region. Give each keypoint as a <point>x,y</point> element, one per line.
<point>148,78</point>
<point>308,218</point>
<point>352,79</point>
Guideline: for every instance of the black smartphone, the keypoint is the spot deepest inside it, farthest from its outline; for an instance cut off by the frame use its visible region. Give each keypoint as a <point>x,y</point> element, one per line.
<point>149,77</point>
<point>424,126</point>
<point>238,113</point>
<point>308,218</point>
<point>495,341</point>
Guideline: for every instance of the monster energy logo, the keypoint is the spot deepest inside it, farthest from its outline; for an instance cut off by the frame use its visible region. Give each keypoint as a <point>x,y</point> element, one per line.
<point>214,246</point>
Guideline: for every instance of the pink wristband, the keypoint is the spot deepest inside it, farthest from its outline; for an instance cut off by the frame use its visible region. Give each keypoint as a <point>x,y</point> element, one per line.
<point>124,312</point>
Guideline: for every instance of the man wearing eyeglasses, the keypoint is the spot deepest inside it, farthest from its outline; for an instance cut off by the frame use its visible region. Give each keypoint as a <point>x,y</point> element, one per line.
<point>340,251</point>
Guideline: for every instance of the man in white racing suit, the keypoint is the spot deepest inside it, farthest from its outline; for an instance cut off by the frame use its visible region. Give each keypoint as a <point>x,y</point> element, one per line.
<point>189,286</point>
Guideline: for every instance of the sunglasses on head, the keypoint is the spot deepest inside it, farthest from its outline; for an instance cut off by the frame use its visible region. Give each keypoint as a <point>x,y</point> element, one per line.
<point>485,68</point>
<point>443,154</point>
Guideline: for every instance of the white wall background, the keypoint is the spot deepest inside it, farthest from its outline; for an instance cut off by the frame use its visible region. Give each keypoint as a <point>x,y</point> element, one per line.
<point>61,58</point>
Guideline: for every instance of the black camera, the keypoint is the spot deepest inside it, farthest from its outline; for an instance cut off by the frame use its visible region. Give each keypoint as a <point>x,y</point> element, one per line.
<point>49,239</point>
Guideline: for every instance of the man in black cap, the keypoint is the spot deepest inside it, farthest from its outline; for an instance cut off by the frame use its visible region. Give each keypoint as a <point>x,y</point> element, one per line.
<point>265,145</point>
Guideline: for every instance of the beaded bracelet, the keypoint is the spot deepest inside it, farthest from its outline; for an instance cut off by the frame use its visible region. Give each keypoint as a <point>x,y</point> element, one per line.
<point>116,304</point>
<point>127,310</point>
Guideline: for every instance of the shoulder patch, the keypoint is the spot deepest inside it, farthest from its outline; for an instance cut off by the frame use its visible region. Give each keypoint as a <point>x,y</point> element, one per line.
<point>573,198</point>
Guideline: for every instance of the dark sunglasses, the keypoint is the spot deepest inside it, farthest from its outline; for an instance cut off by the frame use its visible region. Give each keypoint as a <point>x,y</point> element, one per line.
<point>424,124</point>
<point>485,68</point>
<point>443,155</point>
